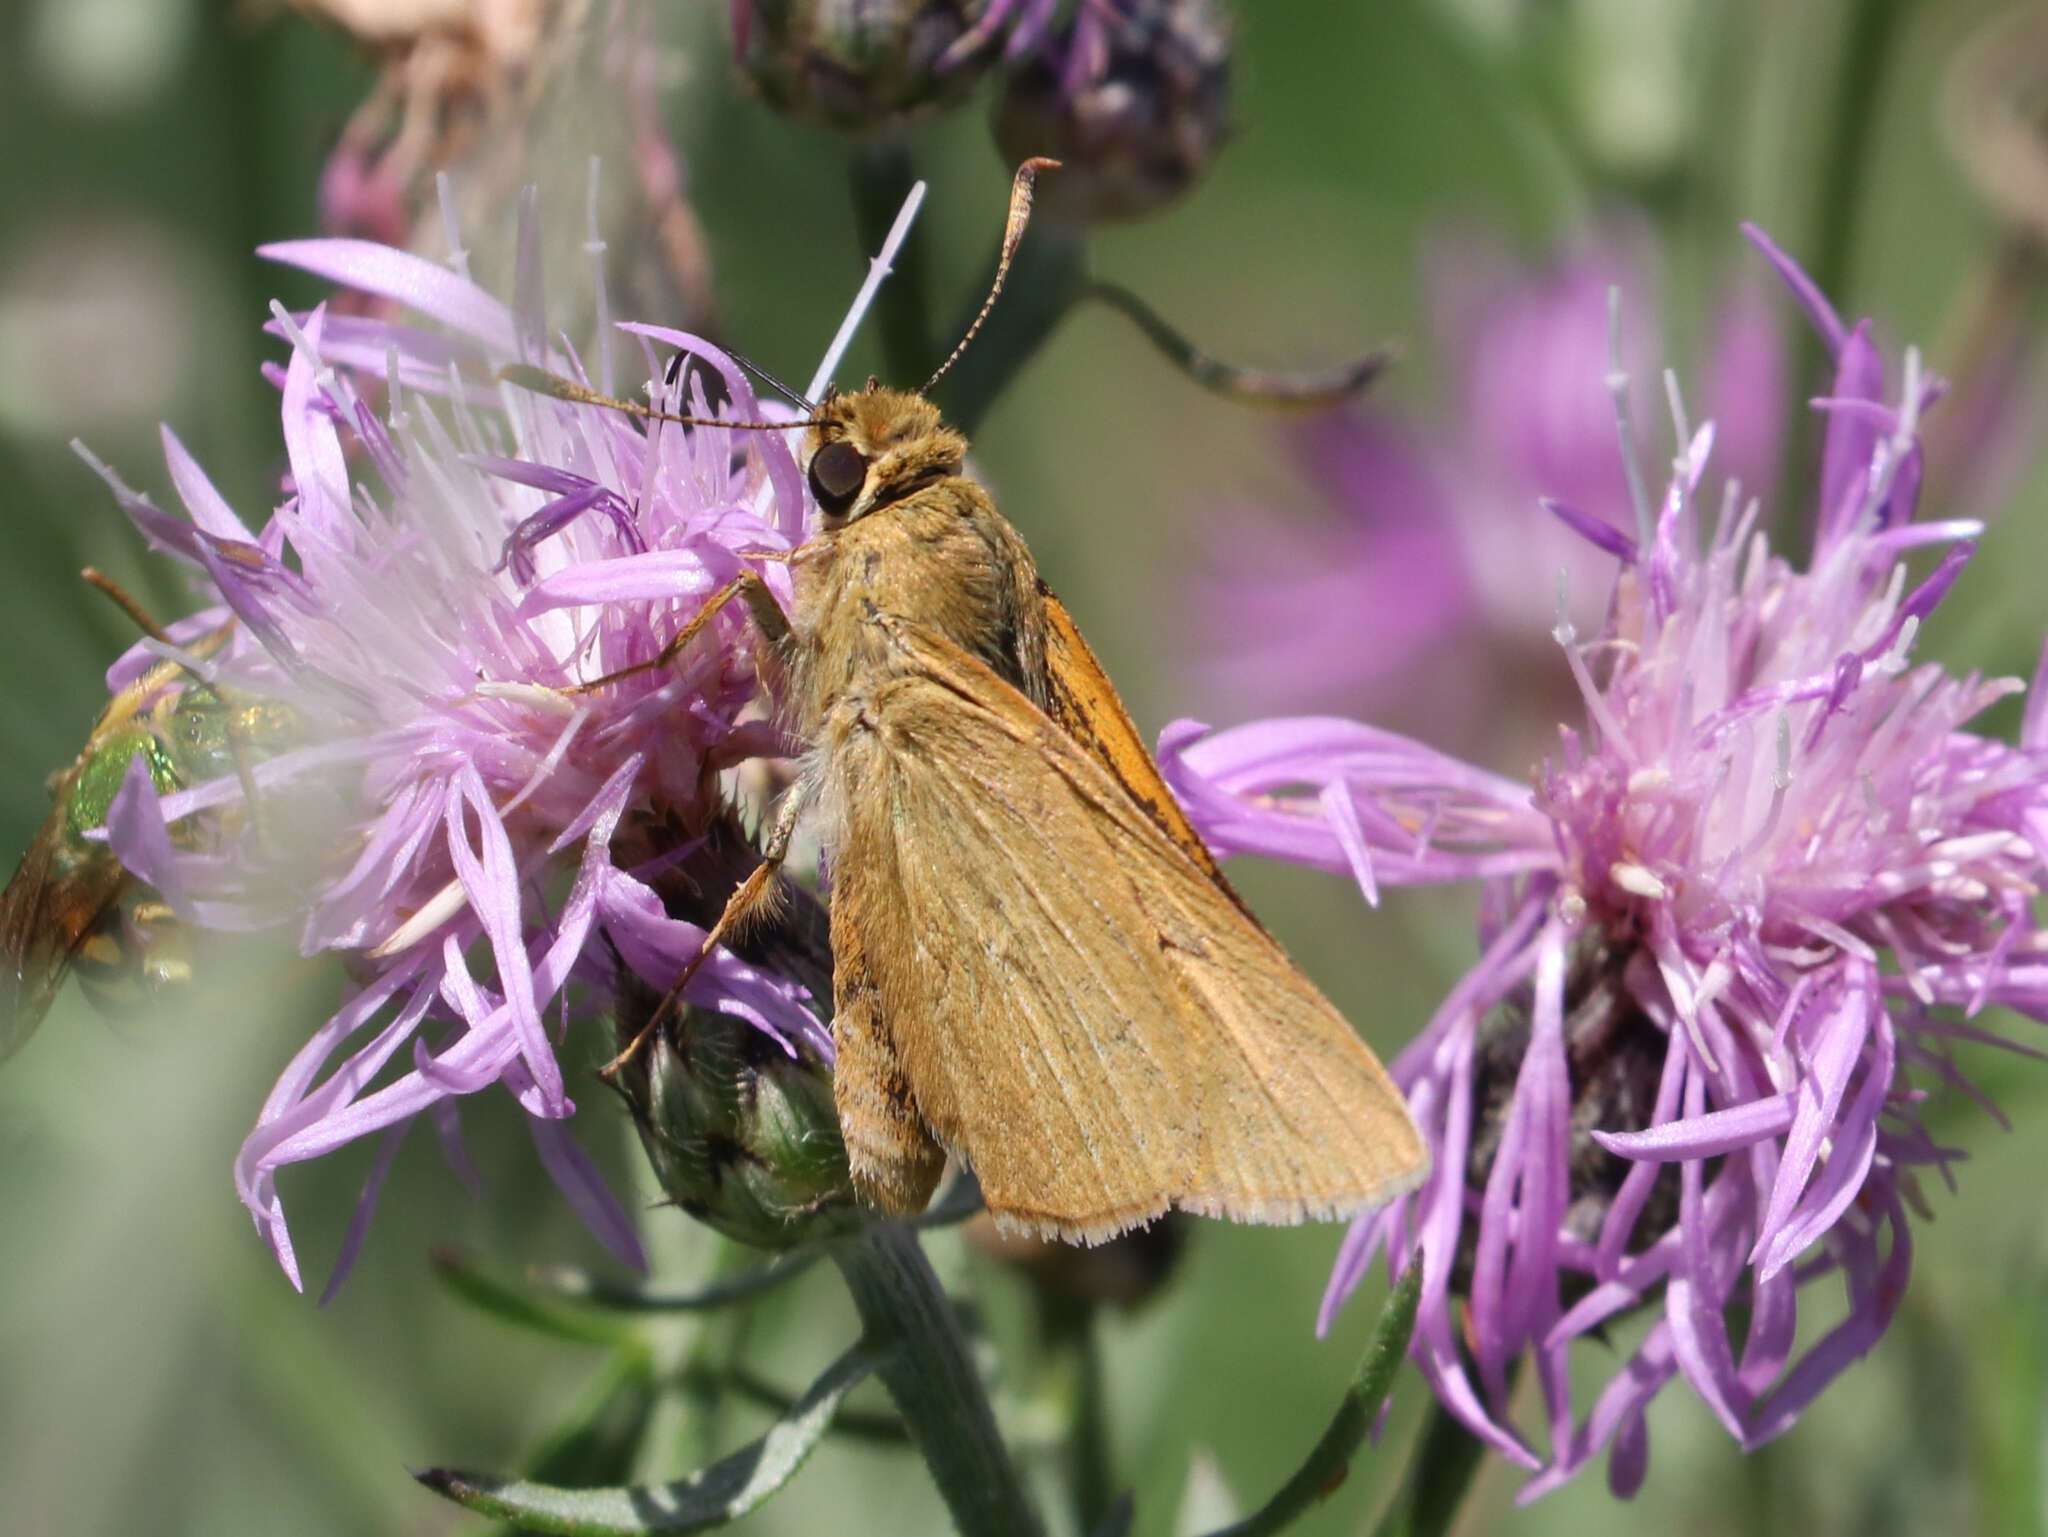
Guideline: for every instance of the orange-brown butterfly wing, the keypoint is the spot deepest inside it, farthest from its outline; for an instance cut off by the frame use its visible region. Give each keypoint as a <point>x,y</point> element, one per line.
<point>1079,1009</point>
<point>1085,704</point>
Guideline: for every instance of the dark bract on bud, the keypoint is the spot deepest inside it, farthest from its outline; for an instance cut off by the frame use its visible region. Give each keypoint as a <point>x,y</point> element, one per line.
<point>1132,98</point>
<point>741,1134</point>
<point>860,66</point>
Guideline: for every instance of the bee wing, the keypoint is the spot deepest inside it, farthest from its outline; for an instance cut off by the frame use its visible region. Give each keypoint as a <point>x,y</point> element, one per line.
<point>58,906</point>
<point>1080,1010</point>
<point>45,916</point>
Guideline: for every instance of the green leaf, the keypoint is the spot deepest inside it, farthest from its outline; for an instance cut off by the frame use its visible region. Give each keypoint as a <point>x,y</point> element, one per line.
<point>629,1297</point>
<point>853,1424</point>
<point>962,1199</point>
<point>1446,1459</point>
<point>726,1490</point>
<point>1326,1466</point>
<point>515,1305</point>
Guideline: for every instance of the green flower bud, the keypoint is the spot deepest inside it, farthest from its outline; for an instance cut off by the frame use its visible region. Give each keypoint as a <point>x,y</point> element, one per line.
<point>741,1135</point>
<point>860,66</point>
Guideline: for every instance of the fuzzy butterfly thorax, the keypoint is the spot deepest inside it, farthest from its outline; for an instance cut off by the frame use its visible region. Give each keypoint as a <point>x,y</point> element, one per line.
<point>913,539</point>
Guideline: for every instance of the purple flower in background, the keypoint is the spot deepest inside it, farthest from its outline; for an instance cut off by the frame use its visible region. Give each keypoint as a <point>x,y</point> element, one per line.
<point>1770,873</point>
<point>477,839</point>
<point>1131,96</point>
<point>1425,552</point>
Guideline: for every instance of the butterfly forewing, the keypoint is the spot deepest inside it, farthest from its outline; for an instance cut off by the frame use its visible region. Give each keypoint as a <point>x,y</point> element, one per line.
<point>1094,1024</point>
<point>1084,703</point>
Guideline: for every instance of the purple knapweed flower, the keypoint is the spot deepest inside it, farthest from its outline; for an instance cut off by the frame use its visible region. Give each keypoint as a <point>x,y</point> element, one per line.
<point>1770,873</point>
<point>481,842</point>
<point>1415,566</point>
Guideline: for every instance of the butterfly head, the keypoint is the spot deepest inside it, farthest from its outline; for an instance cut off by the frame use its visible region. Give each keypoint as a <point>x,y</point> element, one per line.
<point>871,448</point>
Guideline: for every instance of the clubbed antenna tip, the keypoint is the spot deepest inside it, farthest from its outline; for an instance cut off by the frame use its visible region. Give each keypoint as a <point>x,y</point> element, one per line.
<point>1013,236</point>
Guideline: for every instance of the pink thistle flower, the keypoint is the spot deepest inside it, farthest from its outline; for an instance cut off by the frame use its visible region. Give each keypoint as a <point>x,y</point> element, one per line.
<point>482,843</point>
<point>1771,872</point>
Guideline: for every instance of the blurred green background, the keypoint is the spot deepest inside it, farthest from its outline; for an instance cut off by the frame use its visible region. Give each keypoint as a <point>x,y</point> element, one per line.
<point>157,1374</point>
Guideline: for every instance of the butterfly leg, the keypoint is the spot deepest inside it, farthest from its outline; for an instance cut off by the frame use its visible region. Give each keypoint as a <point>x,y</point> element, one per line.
<point>768,615</point>
<point>753,895</point>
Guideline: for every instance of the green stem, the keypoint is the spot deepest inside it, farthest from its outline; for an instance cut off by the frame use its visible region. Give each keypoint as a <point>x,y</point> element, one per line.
<point>1838,198</point>
<point>928,1372</point>
<point>1328,1463</point>
<point>1314,389</point>
<point>1071,1337</point>
<point>1048,277</point>
<point>882,175</point>
<point>1447,1456</point>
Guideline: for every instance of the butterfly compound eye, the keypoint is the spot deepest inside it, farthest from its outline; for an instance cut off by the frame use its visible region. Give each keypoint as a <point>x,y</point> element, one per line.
<point>837,474</point>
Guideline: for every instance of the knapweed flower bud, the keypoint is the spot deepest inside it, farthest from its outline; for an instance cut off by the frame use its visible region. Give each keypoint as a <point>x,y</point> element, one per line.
<point>741,1132</point>
<point>860,66</point>
<point>1133,100</point>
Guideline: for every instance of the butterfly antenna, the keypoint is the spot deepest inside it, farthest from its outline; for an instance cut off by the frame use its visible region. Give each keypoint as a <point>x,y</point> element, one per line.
<point>681,361</point>
<point>774,383</point>
<point>526,377</point>
<point>1013,235</point>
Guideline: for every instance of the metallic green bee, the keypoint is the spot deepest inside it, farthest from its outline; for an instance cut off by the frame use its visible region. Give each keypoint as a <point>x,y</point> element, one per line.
<point>72,905</point>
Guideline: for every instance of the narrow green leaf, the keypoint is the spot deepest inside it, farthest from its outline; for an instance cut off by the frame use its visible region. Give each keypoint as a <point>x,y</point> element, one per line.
<point>854,1424</point>
<point>627,1297</point>
<point>726,1490</point>
<point>515,1305</point>
<point>1254,386</point>
<point>1326,1466</point>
